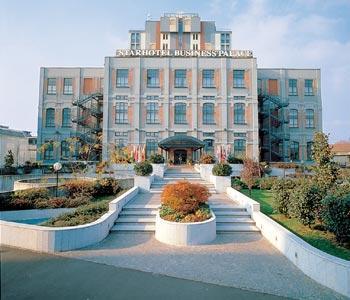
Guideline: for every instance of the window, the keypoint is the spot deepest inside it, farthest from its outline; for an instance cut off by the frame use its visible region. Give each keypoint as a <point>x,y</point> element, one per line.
<point>122,77</point>
<point>121,113</point>
<point>152,134</point>
<point>68,86</point>
<point>239,134</point>
<point>195,47</point>
<point>259,86</point>
<point>195,37</point>
<point>180,78</point>
<point>152,78</point>
<point>208,113</point>
<point>293,118</point>
<point>309,150</point>
<point>238,79</point>
<point>180,133</point>
<point>135,41</point>
<point>50,117</point>
<point>294,151</point>
<point>180,113</point>
<point>208,79</point>
<point>32,141</point>
<point>210,98</point>
<point>65,151</point>
<point>209,146</point>
<point>48,153</point>
<point>208,134</point>
<point>239,113</point>
<point>51,86</point>
<point>154,98</point>
<point>165,36</point>
<point>66,120</point>
<point>309,118</point>
<point>121,97</point>
<point>308,90</point>
<point>165,46</point>
<point>121,133</point>
<point>152,113</point>
<point>151,147</point>
<point>239,148</point>
<point>121,143</point>
<point>239,98</point>
<point>225,41</point>
<point>180,98</point>
<point>292,89</point>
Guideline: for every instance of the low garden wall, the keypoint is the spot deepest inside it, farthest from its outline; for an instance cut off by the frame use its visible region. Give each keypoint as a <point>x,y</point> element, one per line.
<point>328,270</point>
<point>185,234</point>
<point>56,239</point>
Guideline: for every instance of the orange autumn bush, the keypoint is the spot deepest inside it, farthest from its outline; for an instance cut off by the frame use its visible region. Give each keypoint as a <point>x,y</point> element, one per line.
<point>184,197</point>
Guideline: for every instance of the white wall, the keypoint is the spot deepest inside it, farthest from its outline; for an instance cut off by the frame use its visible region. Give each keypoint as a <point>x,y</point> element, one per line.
<point>328,270</point>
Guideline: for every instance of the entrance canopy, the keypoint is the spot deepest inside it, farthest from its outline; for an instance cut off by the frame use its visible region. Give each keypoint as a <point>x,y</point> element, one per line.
<point>181,141</point>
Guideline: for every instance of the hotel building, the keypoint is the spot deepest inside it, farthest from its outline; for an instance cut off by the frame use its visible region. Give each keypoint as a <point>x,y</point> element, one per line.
<point>181,89</point>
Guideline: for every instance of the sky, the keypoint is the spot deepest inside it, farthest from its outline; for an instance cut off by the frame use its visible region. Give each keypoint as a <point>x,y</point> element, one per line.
<point>281,33</point>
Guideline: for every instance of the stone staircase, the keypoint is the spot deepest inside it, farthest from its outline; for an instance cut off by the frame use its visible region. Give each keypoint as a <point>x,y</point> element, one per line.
<point>140,214</point>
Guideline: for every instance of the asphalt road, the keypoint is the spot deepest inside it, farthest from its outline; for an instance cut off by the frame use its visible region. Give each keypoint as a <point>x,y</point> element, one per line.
<point>30,275</point>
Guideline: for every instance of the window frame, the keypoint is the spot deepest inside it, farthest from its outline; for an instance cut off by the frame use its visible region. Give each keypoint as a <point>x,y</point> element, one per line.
<point>293,122</point>
<point>50,123</point>
<point>239,114</point>
<point>208,116</point>
<point>121,113</point>
<point>151,147</point>
<point>294,150</point>
<point>309,118</point>
<point>152,113</point>
<point>238,81</point>
<point>152,82</point>
<point>180,81</point>
<point>122,81</point>
<point>49,89</point>
<point>67,89</point>
<point>66,123</point>
<point>180,113</point>
<point>208,78</point>
<point>308,90</point>
<point>239,147</point>
<point>292,88</point>
<point>49,151</point>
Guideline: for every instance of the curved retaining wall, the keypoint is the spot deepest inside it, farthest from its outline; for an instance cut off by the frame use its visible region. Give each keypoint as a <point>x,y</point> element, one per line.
<point>328,270</point>
<point>15,215</point>
<point>55,239</point>
<point>185,234</point>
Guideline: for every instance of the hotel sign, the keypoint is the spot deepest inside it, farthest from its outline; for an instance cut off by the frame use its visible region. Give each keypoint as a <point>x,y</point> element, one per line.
<point>184,53</point>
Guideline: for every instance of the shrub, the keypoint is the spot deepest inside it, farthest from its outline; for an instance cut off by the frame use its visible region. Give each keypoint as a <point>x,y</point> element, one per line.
<point>78,201</point>
<point>207,159</point>
<point>184,197</point>
<point>106,186</point>
<point>282,190</point>
<point>336,216</point>
<point>234,160</point>
<point>250,173</point>
<point>22,203</point>
<point>31,194</point>
<point>156,159</point>
<point>305,202</point>
<point>77,187</point>
<point>237,184</point>
<point>222,169</point>
<point>266,183</point>
<point>190,162</point>
<point>284,165</point>
<point>143,168</point>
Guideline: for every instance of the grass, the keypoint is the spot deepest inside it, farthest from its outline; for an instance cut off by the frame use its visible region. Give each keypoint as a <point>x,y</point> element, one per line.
<point>83,214</point>
<point>322,240</point>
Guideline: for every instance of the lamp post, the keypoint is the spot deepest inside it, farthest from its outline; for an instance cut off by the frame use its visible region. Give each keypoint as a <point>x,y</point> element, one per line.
<point>57,167</point>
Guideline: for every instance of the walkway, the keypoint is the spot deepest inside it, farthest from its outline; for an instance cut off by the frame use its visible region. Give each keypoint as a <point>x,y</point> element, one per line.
<point>29,275</point>
<point>239,260</point>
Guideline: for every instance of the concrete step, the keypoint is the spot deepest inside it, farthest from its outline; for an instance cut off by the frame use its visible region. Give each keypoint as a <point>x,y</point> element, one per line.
<point>134,227</point>
<point>228,220</point>
<point>220,208</point>
<point>164,182</point>
<point>149,219</point>
<point>141,206</point>
<point>236,228</point>
<point>160,190</point>
<point>231,213</point>
<point>138,212</point>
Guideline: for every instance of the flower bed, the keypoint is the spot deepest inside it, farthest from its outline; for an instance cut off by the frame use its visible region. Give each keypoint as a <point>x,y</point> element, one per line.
<point>184,217</point>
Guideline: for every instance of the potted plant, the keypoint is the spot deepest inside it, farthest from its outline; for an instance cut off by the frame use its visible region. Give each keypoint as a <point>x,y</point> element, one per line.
<point>206,163</point>
<point>185,217</point>
<point>157,161</point>
<point>143,178</point>
<point>221,176</point>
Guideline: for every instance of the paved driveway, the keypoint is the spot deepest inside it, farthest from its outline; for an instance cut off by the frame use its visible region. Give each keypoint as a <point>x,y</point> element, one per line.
<point>241,260</point>
<point>29,275</point>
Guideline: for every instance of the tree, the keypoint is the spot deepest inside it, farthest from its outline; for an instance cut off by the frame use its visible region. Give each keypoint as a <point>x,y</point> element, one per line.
<point>326,171</point>
<point>250,172</point>
<point>9,159</point>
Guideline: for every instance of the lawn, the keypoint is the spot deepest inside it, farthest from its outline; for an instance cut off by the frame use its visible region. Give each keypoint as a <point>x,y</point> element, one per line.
<point>322,240</point>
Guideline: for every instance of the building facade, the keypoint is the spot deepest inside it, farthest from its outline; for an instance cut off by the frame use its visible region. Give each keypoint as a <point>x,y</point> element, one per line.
<point>21,143</point>
<point>180,78</point>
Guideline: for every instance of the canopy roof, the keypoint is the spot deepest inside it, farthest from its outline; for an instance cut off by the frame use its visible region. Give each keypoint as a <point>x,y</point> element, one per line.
<point>181,141</point>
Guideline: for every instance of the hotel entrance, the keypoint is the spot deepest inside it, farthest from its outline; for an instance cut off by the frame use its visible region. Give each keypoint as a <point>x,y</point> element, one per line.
<point>181,148</point>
